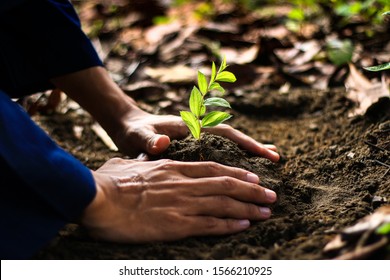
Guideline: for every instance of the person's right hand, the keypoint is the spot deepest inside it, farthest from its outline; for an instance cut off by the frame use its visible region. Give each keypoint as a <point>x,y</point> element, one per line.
<point>164,200</point>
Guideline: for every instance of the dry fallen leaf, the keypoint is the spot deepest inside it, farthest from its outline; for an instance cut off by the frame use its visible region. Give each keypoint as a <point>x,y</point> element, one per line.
<point>363,91</point>
<point>286,55</point>
<point>241,56</point>
<point>147,90</point>
<point>357,241</point>
<point>169,50</point>
<point>174,74</point>
<point>102,134</point>
<point>308,50</point>
<point>156,33</point>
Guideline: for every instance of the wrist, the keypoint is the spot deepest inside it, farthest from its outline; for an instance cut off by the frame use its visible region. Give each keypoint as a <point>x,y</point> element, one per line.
<point>97,93</point>
<point>94,212</point>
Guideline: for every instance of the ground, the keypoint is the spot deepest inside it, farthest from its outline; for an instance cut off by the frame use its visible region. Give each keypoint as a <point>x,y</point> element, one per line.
<point>300,81</point>
<point>332,173</point>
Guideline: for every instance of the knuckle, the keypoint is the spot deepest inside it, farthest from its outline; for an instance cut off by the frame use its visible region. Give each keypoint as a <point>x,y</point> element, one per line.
<point>255,191</point>
<point>251,211</point>
<point>228,183</point>
<point>168,164</point>
<point>178,200</point>
<point>230,224</point>
<point>213,166</point>
<point>221,199</point>
<point>211,222</point>
<point>116,160</point>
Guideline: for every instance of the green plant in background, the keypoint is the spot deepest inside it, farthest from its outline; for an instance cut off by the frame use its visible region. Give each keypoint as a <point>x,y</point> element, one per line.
<point>368,9</point>
<point>339,51</point>
<point>304,10</point>
<point>384,229</point>
<point>196,119</point>
<point>381,67</point>
<point>202,10</point>
<point>384,66</point>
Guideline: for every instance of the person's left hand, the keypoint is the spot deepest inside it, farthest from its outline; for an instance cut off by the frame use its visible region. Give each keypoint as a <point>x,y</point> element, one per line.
<point>152,134</point>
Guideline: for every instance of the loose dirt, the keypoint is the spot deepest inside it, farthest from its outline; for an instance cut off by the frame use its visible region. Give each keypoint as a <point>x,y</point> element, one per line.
<point>333,171</point>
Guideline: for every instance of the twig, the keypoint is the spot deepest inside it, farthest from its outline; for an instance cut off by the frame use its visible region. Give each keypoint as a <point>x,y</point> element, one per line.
<point>384,174</point>
<point>384,164</point>
<point>375,146</point>
<point>364,252</point>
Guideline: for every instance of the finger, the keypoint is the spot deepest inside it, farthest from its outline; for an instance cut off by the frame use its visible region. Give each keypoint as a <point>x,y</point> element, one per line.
<point>158,144</point>
<point>200,226</point>
<point>188,193</point>
<point>245,142</point>
<point>210,169</point>
<point>271,147</point>
<point>231,187</point>
<point>172,126</point>
<point>147,140</point>
<point>226,207</point>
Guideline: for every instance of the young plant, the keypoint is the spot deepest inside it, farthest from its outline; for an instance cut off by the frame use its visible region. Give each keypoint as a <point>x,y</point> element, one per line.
<point>196,119</point>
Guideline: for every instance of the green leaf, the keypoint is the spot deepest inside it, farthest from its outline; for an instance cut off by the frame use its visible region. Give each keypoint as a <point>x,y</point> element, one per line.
<point>339,52</point>
<point>217,86</point>
<point>386,13</point>
<point>383,229</point>
<point>213,73</point>
<point>196,101</point>
<point>223,65</point>
<point>216,101</point>
<point>226,76</point>
<point>202,110</point>
<point>215,118</point>
<point>349,9</point>
<point>202,83</point>
<point>297,14</point>
<point>192,123</point>
<point>376,68</point>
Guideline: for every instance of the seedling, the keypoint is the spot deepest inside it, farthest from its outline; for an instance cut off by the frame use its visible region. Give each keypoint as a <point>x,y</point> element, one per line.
<point>196,119</point>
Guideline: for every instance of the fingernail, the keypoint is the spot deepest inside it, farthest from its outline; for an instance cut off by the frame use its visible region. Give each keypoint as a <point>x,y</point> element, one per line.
<point>244,223</point>
<point>142,156</point>
<point>265,212</point>
<point>271,195</point>
<point>252,178</point>
<point>276,155</point>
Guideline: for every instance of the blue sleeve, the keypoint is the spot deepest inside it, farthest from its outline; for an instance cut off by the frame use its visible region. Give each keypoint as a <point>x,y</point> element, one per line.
<point>40,40</point>
<point>6,5</point>
<point>42,186</point>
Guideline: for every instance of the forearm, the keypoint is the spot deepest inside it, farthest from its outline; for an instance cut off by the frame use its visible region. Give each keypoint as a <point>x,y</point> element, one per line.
<point>97,93</point>
<point>61,180</point>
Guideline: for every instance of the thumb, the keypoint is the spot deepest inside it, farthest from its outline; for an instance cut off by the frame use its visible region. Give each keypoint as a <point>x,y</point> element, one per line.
<point>156,143</point>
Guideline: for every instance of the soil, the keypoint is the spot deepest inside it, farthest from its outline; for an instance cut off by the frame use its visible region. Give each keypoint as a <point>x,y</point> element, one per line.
<point>334,170</point>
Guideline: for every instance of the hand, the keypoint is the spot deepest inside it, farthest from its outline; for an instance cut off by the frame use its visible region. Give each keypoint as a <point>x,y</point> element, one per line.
<point>165,200</point>
<point>132,129</point>
<point>152,134</point>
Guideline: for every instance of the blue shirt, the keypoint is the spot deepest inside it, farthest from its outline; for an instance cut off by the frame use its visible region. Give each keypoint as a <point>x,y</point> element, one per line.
<point>42,186</point>
<point>40,40</point>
